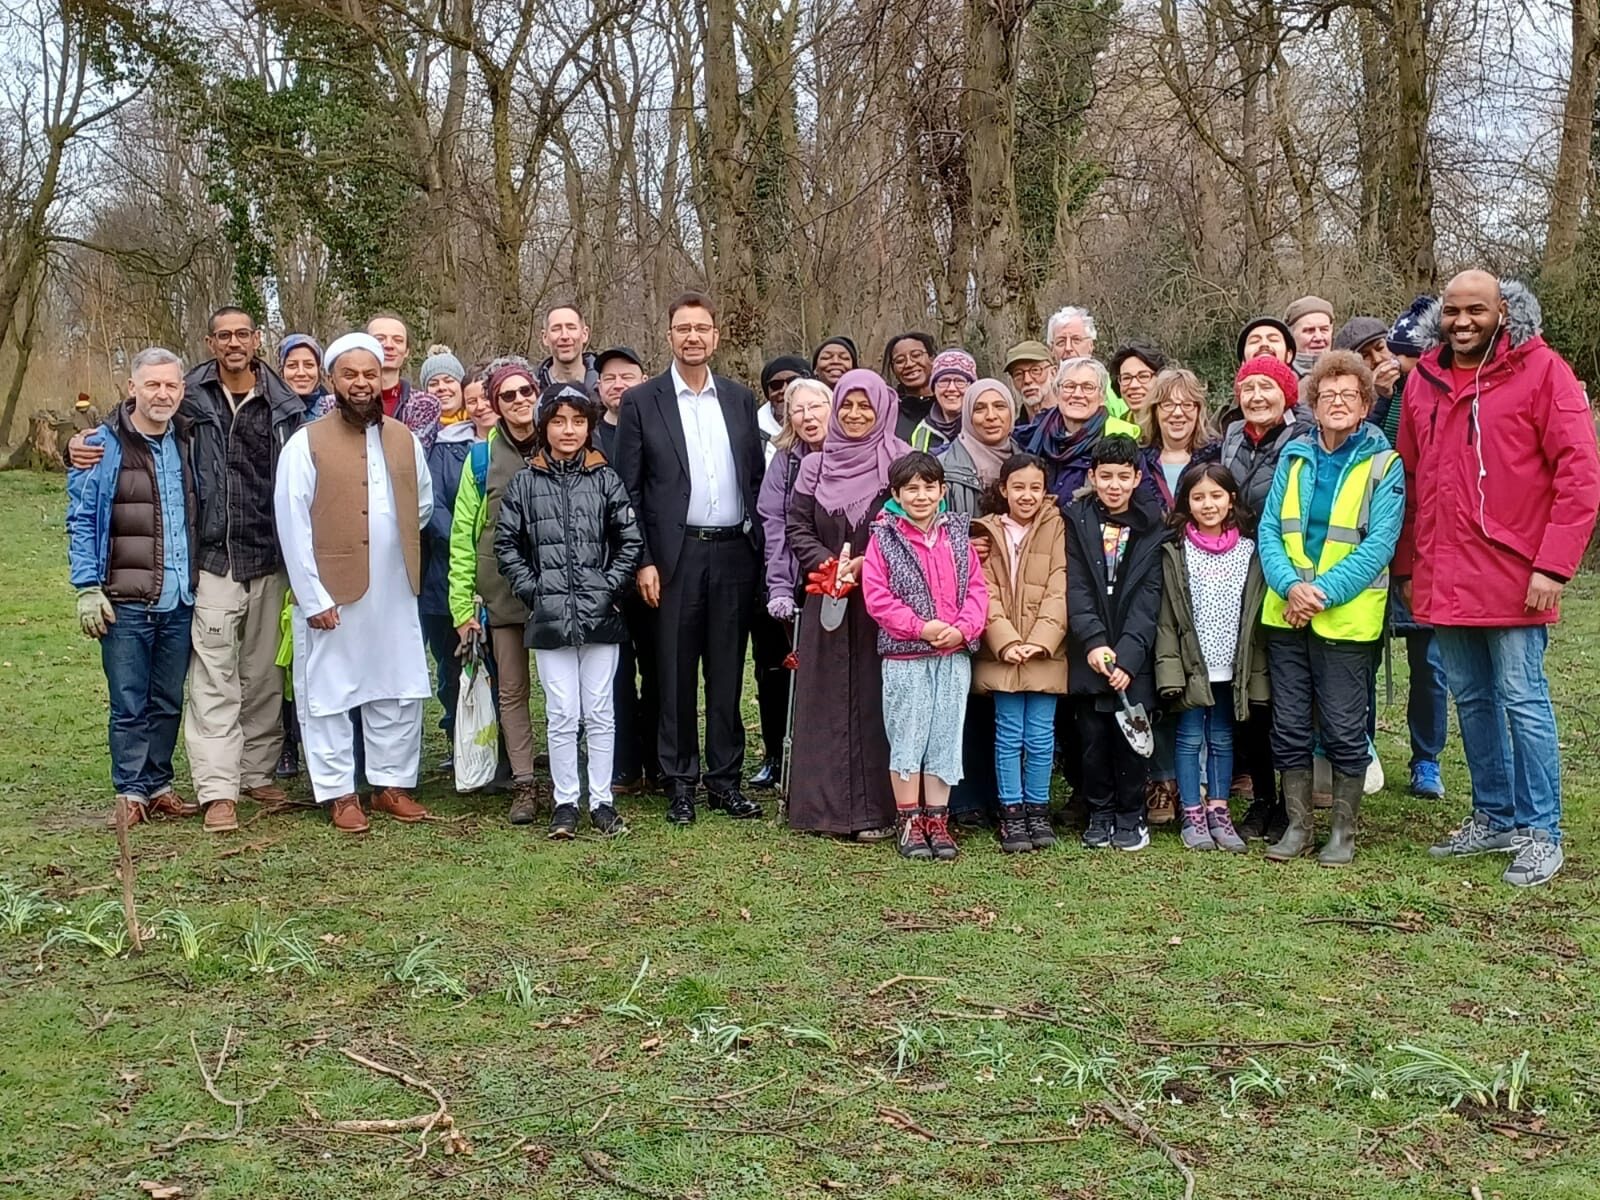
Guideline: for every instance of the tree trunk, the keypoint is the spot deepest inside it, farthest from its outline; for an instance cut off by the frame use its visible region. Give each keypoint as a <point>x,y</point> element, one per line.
<point>1577,136</point>
<point>1411,232</point>
<point>730,264</point>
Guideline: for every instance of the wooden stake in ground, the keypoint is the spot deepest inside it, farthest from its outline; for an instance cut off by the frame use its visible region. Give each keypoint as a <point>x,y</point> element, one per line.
<point>125,869</point>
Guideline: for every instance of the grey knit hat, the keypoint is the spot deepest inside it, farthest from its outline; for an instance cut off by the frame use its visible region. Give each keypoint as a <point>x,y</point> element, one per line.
<point>436,365</point>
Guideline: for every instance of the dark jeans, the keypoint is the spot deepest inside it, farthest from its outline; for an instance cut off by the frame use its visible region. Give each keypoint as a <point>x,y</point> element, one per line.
<point>636,696</point>
<point>1428,701</point>
<point>1113,773</point>
<point>769,646</point>
<point>1252,747</point>
<point>443,641</point>
<point>976,794</point>
<point>1321,688</point>
<point>706,609</point>
<point>146,659</point>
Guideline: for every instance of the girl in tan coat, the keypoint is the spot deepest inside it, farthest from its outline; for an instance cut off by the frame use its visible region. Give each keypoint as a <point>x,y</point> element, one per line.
<point>1023,658</point>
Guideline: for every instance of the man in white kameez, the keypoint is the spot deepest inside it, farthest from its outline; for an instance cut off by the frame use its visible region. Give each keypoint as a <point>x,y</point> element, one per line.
<point>353,493</point>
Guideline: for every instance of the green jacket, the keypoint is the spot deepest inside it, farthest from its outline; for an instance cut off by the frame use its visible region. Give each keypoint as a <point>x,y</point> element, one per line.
<point>1181,676</point>
<point>474,574</point>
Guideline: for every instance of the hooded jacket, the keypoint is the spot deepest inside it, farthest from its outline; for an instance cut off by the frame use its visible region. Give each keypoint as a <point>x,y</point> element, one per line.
<point>1253,464</point>
<point>1497,494</point>
<point>1123,619</point>
<point>236,460</point>
<point>782,572</point>
<point>445,463</point>
<point>1034,611</point>
<point>1180,663</point>
<point>568,544</point>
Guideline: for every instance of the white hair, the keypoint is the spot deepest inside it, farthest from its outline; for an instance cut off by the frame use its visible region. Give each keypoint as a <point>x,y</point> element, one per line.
<point>1062,316</point>
<point>154,356</point>
<point>805,383</point>
<point>1084,363</point>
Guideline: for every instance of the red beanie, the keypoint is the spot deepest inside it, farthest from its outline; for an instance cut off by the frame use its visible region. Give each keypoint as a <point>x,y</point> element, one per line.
<point>1274,369</point>
<point>503,373</point>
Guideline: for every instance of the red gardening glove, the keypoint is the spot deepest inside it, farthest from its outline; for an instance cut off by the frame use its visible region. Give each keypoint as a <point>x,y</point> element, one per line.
<point>824,579</point>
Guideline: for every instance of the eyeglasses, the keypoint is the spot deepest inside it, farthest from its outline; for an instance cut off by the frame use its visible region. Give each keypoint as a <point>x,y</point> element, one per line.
<point>686,330</point>
<point>1086,389</point>
<point>1168,406</point>
<point>242,336</point>
<point>1140,377</point>
<point>525,392</point>
<point>1351,398</point>
<point>1073,339</point>
<point>1032,371</point>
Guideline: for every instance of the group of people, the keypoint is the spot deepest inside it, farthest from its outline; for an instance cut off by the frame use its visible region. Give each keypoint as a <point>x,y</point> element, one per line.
<point>953,584</point>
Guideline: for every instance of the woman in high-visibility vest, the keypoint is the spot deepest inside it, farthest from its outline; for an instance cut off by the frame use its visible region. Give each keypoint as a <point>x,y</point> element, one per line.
<point>1327,533</point>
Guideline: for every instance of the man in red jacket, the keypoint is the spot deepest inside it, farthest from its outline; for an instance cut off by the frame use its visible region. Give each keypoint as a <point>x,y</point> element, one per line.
<point>1502,486</point>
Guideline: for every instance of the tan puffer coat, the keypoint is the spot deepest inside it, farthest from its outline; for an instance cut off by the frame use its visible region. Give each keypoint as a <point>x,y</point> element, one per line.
<point>1035,612</point>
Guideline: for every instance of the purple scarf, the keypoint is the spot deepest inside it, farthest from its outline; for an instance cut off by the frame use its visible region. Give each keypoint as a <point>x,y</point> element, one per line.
<point>848,474</point>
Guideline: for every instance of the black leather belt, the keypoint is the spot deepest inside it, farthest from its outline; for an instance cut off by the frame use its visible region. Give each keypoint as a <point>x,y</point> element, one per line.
<point>713,533</point>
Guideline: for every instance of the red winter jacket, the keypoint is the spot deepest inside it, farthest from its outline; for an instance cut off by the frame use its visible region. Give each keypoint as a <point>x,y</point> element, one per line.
<point>1485,512</point>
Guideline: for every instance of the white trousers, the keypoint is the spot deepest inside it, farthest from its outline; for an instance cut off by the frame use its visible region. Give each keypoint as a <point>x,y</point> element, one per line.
<point>577,687</point>
<point>392,733</point>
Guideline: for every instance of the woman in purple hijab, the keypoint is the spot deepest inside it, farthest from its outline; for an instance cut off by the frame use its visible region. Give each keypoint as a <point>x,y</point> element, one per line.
<point>839,772</point>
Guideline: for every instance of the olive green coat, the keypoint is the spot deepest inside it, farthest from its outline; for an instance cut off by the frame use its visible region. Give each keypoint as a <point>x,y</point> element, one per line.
<point>1181,676</point>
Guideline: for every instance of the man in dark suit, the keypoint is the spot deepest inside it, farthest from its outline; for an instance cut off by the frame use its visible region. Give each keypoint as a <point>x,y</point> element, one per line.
<point>689,451</point>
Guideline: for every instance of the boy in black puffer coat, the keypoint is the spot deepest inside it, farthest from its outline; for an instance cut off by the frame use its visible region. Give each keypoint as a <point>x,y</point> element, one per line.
<point>568,543</point>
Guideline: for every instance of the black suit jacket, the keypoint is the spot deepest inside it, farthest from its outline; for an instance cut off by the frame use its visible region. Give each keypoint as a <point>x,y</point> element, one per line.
<point>653,460</point>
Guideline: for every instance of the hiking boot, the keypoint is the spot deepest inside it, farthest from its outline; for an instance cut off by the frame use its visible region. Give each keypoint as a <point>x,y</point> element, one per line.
<point>1161,801</point>
<point>1426,782</point>
<point>768,774</point>
<point>1340,848</point>
<point>564,823</point>
<point>288,763</point>
<point>1098,835</point>
<point>913,835</point>
<point>169,804</point>
<point>1300,833</point>
<point>936,824</point>
<point>1474,836</point>
<point>524,802</point>
<point>1243,786</point>
<point>222,816</point>
<point>346,815</point>
<point>1131,834</point>
<point>397,803</point>
<point>733,802</point>
<point>1014,837</point>
<point>1538,859</point>
<point>1219,822</point>
<point>1254,825</point>
<point>607,821</point>
<point>1195,833</point>
<point>680,804</point>
<point>1040,834</point>
<point>267,793</point>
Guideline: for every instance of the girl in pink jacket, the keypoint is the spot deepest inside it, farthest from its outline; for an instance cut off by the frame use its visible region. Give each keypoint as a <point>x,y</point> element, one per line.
<point>923,584</point>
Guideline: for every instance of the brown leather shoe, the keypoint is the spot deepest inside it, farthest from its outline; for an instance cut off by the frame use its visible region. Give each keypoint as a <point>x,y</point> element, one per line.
<point>170,804</point>
<point>346,814</point>
<point>222,816</point>
<point>397,803</point>
<point>267,793</point>
<point>1161,801</point>
<point>136,813</point>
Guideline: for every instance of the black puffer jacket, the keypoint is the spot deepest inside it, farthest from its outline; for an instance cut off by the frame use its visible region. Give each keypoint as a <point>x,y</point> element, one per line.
<point>568,543</point>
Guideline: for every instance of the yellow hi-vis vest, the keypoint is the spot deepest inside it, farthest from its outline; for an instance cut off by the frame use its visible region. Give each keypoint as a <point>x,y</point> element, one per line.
<point>1358,620</point>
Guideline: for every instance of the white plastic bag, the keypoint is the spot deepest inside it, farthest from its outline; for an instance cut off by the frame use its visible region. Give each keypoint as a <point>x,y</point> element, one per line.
<point>477,751</point>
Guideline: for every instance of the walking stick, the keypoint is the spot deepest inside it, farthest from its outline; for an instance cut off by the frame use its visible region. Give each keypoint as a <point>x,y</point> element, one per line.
<point>788,729</point>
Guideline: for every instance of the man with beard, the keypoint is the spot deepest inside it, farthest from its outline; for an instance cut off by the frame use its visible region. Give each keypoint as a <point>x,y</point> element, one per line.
<point>353,494</point>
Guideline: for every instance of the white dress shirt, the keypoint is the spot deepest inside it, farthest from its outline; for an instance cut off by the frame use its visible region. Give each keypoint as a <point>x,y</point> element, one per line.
<point>714,498</point>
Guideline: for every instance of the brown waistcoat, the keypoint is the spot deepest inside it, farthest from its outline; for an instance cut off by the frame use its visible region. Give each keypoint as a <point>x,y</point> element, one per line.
<point>339,517</point>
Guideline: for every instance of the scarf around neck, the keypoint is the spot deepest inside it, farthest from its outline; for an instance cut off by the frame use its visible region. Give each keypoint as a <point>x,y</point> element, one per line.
<point>848,474</point>
<point>986,459</point>
<point>1219,543</point>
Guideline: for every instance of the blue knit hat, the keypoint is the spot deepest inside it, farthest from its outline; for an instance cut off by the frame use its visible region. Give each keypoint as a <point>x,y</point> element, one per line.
<point>1406,336</point>
<point>292,341</point>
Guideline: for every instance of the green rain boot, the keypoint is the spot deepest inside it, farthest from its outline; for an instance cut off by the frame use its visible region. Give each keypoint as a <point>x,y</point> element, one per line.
<point>1299,837</point>
<point>1340,848</point>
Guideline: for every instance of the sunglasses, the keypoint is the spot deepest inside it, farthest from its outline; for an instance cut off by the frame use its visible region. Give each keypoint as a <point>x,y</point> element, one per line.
<point>525,392</point>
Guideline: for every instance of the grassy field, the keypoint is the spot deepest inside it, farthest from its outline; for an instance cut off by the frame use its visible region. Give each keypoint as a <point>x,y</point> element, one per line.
<point>734,1011</point>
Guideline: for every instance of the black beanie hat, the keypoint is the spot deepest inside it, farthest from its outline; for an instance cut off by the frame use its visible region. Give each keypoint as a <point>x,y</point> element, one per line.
<point>784,362</point>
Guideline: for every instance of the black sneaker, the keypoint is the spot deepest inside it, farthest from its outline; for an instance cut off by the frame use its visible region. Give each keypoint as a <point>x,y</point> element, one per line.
<point>288,763</point>
<point>1131,835</point>
<point>564,823</point>
<point>607,821</point>
<point>733,802</point>
<point>1098,835</point>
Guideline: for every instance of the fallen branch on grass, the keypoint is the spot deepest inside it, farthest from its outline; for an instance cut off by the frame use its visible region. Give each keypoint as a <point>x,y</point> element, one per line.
<point>595,1163</point>
<point>904,1121</point>
<point>209,1079</point>
<point>454,1140</point>
<point>1120,1113</point>
<point>1169,1045</point>
<point>897,980</point>
<point>125,871</point>
<point>723,1097</point>
<point>1366,923</point>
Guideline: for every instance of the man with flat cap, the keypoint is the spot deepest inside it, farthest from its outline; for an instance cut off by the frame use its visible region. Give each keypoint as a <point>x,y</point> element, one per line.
<point>353,494</point>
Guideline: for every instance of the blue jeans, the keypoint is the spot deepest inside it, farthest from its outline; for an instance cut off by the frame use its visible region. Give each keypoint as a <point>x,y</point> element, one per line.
<point>1508,727</point>
<point>1427,704</point>
<point>1208,731</point>
<point>146,659</point>
<point>1024,725</point>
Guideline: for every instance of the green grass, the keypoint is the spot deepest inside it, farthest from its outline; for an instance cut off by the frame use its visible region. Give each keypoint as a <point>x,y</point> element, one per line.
<point>510,973</point>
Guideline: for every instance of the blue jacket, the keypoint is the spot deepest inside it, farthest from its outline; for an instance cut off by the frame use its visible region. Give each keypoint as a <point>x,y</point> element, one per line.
<point>90,493</point>
<point>1350,577</point>
<point>445,463</point>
